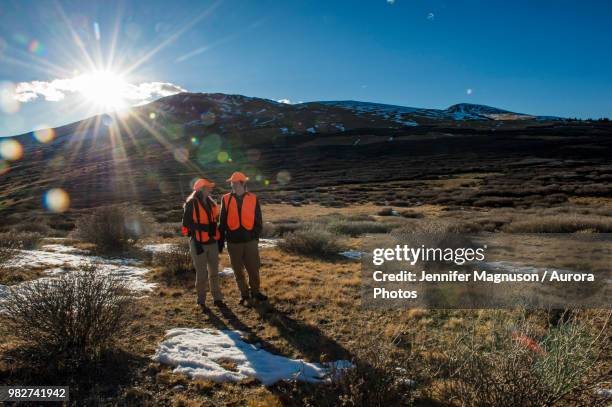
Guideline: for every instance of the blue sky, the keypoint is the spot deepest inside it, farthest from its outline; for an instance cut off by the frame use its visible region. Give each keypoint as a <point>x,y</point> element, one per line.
<point>542,57</point>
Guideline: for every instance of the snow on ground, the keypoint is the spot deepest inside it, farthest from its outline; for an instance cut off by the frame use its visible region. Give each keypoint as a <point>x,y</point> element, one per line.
<point>200,353</point>
<point>166,247</point>
<point>352,254</point>
<point>159,247</point>
<point>226,272</point>
<point>57,259</point>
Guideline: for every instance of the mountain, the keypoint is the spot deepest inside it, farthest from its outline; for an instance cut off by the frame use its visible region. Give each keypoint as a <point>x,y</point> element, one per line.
<point>150,153</point>
<point>237,112</point>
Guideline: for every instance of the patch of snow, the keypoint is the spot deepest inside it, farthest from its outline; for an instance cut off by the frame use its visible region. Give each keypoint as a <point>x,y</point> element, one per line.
<point>352,254</point>
<point>159,247</point>
<point>267,243</point>
<point>408,123</point>
<point>167,247</point>
<point>606,393</point>
<point>311,130</point>
<point>226,272</point>
<point>64,259</point>
<point>199,353</point>
<point>61,248</point>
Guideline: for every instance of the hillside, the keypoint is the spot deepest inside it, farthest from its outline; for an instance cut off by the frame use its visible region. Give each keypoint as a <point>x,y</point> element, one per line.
<point>313,152</point>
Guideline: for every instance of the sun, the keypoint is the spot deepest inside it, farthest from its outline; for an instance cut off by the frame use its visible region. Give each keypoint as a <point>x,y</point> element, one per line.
<point>105,90</point>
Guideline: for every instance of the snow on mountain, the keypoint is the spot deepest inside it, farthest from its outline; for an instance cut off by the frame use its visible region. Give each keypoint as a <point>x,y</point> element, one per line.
<point>409,116</point>
<point>223,113</point>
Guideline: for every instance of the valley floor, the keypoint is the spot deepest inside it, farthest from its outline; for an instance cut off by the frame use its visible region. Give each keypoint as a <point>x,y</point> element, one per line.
<point>314,313</point>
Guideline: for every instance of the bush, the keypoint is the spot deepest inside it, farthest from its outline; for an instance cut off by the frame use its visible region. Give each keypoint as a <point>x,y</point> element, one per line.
<point>515,369</point>
<point>359,227</point>
<point>114,228</point>
<point>311,241</point>
<point>411,214</point>
<point>175,264</point>
<point>281,228</point>
<point>11,241</point>
<point>561,224</point>
<point>77,315</point>
<point>386,212</point>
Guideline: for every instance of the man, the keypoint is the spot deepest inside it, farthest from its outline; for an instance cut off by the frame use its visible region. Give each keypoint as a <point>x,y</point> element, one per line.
<point>200,217</point>
<point>241,224</point>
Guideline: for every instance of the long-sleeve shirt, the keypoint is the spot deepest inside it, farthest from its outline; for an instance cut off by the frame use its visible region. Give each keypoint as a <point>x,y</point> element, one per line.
<point>188,217</point>
<point>240,235</point>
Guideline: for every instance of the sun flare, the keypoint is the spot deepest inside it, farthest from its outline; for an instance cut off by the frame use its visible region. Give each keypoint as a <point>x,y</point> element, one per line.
<point>104,89</point>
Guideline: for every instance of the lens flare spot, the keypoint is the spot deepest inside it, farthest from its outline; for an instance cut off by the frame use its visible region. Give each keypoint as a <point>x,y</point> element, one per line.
<point>195,141</point>
<point>8,103</point>
<point>35,47</point>
<point>56,200</point>
<point>283,177</point>
<point>181,154</point>
<point>258,178</point>
<point>267,182</point>
<point>11,150</point>
<point>4,167</point>
<point>152,116</point>
<point>208,151</point>
<point>223,156</point>
<point>44,135</point>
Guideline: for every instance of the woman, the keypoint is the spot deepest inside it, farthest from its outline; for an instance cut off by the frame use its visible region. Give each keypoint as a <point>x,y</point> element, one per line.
<point>241,224</point>
<point>200,218</point>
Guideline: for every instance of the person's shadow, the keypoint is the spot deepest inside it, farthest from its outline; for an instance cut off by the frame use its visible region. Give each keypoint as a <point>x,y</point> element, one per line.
<point>308,340</point>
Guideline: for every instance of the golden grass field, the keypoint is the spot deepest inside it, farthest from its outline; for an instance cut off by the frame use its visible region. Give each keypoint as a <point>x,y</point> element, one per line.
<point>314,312</point>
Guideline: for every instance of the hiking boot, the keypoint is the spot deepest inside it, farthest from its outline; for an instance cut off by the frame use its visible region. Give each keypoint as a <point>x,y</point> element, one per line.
<point>259,296</point>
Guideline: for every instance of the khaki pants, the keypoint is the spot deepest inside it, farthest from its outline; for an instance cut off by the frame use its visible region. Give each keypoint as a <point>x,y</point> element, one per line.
<point>245,255</point>
<point>207,269</point>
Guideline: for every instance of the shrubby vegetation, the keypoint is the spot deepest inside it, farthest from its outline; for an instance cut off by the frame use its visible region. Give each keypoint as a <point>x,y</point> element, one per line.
<point>114,228</point>
<point>74,317</point>
<point>175,264</point>
<point>314,242</point>
<point>514,366</point>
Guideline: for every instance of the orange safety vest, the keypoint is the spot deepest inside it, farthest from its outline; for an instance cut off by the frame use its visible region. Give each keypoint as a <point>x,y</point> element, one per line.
<point>246,218</point>
<point>200,218</point>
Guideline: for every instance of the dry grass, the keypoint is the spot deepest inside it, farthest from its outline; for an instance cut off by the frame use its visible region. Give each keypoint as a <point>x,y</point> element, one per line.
<point>561,224</point>
<point>314,313</point>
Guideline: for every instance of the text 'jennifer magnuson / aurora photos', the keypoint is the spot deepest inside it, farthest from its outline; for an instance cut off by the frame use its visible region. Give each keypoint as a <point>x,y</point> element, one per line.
<point>547,271</point>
